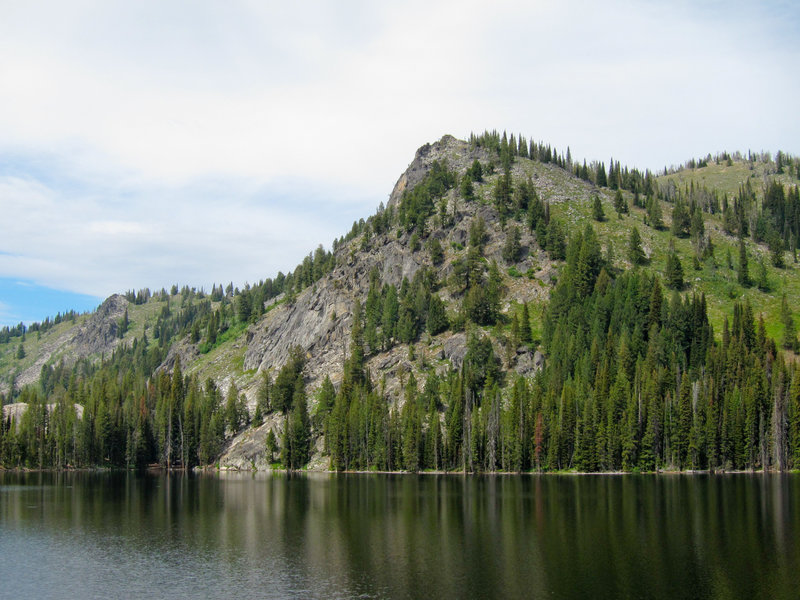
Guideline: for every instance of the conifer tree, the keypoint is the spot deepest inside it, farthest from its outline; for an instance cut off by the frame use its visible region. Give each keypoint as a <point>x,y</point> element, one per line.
<point>635,252</point>
<point>697,226</point>
<point>525,335</point>
<point>263,405</point>
<point>620,204</point>
<point>511,248</point>
<point>681,220</point>
<point>587,263</point>
<point>613,180</point>
<point>467,189</point>
<point>297,434</point>
<point>763,281</point>
<point>597,209</point>
<point>654,217</point>
<point>794,419</point>
<point>232,417</point>
<point>271,444</point>
<point>124,323</point>
<point>437,316</point>
<point>436,251</point>
<point>475,172</point>
<point>600,176</point>
<point>743,274</point>
<point>673,273</point>
<point>354,369</point>
<point>776,248</point>
<point>514,340</point>
<point>789,330</point>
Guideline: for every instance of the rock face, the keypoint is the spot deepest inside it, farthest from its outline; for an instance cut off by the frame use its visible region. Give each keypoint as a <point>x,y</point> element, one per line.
<point>458,155</point>
<point>527,362</point>
<point>320,318</point>
<point>316,322</point>
<point>16,410</point>
<point>182,350</point>
<point>248,450</point>
<point>98,335</point>
<point>455,349</point>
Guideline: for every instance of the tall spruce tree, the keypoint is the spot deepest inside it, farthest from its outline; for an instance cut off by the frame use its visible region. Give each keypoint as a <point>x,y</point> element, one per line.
<point>636,254</point>
<point>597,209</point>
<point>673,272</point>
<point>742,272</point>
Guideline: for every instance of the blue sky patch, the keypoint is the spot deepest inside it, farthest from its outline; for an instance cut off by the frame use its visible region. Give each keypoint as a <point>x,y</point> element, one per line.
<point>28,302</point>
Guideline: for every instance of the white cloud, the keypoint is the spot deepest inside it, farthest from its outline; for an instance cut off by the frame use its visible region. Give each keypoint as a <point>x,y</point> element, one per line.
<point>149,143</point>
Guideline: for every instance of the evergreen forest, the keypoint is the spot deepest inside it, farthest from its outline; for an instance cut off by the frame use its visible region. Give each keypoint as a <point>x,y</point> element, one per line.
<point>659,309</point>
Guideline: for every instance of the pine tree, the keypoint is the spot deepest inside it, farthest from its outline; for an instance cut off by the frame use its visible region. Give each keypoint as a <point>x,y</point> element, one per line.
<point>271,444</point>
<point>635,252</point>
<point>620,204</point>
<point>437,317</point>
<point>477,234</point>
<point>354,369</point>
<point>243,307</point>
<point>494,292</point>
<point>467,189</point>
<point>613,180</point>
<point>673,273</point>
<point>514,340</point>
<point>263,406</point>
<point>475,172</point>
<point>525,335</point>
<point>680,436</point>
<point>588,262</point>
<point>436,251</point>
<point>697,226</point>
<point>297,434</point>
<point>600,176</point>
<point>232,417</point>
<point>389,315</point>
<point>597,209</point>
<point>776,248</point>
<point>794,419</point>
<point>743,274</point>
<point>654,217</point>
<point>789,330</point>
<point>124,323</point>
<point>763,281</point>
<point>511,248</point>
<point>681,220</point>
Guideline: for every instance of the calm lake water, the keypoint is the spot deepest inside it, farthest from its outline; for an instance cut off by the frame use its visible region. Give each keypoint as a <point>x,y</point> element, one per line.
<point>89,535</point>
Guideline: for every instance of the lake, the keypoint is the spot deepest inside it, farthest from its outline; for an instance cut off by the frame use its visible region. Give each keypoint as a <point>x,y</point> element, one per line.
<point>121,535</point>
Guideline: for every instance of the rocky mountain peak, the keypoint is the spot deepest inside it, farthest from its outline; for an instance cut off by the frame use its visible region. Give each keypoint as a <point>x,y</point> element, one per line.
<point>447,148</point>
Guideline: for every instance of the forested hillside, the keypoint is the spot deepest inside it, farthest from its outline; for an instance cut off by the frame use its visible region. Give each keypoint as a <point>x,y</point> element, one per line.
<point>510,308</point>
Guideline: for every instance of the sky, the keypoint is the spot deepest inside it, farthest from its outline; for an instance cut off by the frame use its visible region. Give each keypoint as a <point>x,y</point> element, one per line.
<point>151,143</point>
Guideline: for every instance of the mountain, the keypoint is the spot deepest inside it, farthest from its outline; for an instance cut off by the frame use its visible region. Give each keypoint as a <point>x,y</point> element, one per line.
<point>503,311</point>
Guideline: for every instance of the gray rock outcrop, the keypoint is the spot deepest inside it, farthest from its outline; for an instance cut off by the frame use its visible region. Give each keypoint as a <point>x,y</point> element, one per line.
<point>97,336</point>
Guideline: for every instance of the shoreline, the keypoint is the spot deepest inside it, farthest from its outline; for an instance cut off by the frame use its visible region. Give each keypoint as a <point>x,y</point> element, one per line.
<point>216,470</point>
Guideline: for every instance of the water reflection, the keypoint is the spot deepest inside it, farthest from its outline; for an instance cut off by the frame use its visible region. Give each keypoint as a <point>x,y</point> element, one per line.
<point>321,535</point>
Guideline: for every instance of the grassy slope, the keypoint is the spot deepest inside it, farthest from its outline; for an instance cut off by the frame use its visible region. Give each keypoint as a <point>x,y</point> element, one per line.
<point>720,284</point>
<point>141,317</point>
<point>715,279</point>
<point>727,179</point>
<point>10,364</point>
<point>571,203</point>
